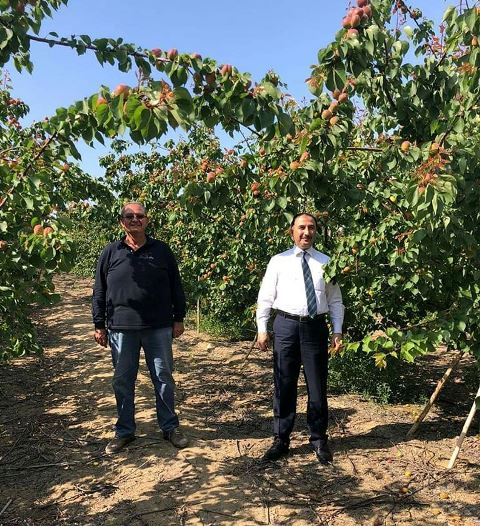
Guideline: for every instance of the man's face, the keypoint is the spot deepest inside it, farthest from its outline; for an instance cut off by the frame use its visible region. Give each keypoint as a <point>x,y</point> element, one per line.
<point>303,232</point>
<point>134,219</point>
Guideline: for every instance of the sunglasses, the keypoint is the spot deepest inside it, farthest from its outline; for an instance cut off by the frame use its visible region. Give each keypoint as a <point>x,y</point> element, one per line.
<point>131,216</point>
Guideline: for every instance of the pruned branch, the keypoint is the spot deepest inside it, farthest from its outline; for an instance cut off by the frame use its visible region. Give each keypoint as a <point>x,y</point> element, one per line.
<point>364,149</point>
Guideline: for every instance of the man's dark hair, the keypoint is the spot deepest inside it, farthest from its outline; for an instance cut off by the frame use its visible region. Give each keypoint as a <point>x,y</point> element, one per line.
<point>303,214</point>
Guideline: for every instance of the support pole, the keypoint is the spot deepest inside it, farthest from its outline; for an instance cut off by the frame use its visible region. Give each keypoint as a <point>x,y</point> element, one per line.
<point>434,396</point>
<point>463,434</point>
<point>198,315</point>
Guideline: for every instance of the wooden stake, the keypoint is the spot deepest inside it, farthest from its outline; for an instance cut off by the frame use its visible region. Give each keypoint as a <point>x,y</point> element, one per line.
<point>198,311</point>
<point>198,315</point>
<point>463,434</point>
<point>434,396</point>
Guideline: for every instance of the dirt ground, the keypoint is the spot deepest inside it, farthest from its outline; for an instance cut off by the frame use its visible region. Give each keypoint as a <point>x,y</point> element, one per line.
<point>57,411</point>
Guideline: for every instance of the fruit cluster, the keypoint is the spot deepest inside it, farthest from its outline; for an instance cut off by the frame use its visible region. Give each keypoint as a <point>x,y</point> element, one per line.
<point>255,188</point>
<point>212,174</point>
<point>400,6</point>
<point>12,121</point>
<point>13,102</point>
<point>428,172</point>
<point>357,16</point>
<point>39,230</point>
<point>339,97</point>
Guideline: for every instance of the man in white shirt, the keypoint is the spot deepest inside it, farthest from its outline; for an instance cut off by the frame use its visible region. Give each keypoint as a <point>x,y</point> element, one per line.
<point>294,286</point>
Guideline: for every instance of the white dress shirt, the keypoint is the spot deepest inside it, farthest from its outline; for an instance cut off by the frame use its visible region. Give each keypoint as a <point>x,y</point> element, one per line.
<point>283,288</point>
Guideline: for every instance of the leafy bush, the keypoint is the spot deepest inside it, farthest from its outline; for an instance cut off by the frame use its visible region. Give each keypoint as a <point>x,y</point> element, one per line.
<point>230,330</point>
<point>355,372</point>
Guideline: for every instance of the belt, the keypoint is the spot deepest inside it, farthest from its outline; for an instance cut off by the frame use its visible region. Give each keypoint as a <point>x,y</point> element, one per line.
<point>300,318</point>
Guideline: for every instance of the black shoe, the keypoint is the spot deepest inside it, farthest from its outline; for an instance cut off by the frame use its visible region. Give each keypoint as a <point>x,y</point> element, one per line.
<point>277,450</point>
<point>117,444</point>
<point>323,453</point>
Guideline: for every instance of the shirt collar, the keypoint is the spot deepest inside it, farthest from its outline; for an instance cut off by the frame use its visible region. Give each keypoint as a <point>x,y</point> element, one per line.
<point>299,251</point>
<point>149,241</point>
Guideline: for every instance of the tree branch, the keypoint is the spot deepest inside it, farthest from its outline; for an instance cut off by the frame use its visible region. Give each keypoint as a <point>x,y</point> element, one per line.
<point>74,43</point>
<point>364,149</point>
<point>386,91</point>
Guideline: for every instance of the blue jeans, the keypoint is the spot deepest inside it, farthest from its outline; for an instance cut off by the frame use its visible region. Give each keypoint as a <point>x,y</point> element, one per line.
<point>157,346</point>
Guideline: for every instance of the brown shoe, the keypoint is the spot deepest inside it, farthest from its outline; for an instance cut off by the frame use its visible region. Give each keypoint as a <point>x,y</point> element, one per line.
<point>117,444</point>
<point>176,437</point>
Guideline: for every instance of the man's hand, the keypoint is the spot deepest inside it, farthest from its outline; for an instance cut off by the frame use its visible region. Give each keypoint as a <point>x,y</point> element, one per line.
<point>336,344</point>
<point>100,336</point>
<point>263,341</point>
<point>178,329</point>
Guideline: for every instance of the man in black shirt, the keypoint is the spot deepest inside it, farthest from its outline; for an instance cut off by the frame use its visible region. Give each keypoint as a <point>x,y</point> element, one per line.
<point>138,301</point>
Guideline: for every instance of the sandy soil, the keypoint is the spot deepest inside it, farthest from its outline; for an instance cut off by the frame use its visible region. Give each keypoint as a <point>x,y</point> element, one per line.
<point>57,411</point>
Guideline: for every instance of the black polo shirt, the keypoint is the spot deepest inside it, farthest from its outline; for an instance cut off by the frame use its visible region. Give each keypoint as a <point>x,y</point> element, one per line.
<point>137,289</point>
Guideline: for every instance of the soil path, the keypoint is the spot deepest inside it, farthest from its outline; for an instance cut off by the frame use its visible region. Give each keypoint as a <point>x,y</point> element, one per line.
<point>56,415</point>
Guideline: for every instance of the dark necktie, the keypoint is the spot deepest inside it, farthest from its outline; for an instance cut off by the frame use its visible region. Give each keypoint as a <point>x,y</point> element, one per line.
<point>309,288</point>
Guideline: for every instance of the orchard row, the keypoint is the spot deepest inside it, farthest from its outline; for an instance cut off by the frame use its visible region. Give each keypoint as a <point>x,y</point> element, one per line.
<point>385,154</point>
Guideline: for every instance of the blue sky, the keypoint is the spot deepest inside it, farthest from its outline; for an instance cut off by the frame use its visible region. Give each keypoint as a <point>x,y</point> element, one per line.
<point>253,35</point>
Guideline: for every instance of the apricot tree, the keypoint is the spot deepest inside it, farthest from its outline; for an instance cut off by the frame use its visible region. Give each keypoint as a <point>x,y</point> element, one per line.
<point>386,155</point>
<point>39,181</point>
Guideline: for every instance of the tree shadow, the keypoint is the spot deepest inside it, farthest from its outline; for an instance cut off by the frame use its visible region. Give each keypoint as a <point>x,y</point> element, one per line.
<point>57,413</point>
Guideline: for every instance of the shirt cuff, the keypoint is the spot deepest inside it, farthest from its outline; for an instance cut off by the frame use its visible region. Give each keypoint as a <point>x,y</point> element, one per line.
<point>337,328</point>
<point>262,326</point>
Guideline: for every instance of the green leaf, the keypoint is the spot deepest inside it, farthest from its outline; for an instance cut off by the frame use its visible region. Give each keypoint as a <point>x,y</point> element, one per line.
<point>380,360</point>
<point>28,202</point>
<point>316,123</point>
<point>419,235</point>
<point>435,203</point>
<point>141,117</point>
<point>270,206</point>
<point>271,90</point>
<point>370,47</point>
<point>471,19</point>
<point>102,113</point>
<point>182,94</point>
<point>336,79</point>
<point>48,253</point>
<point>131,107</point>
<point>266,119</point>
<point>179,76</point>
<point>285,123</point>
<point>184,101</point>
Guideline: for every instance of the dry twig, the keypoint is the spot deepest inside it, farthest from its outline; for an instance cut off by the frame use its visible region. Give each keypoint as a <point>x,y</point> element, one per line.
<point>4,509</point>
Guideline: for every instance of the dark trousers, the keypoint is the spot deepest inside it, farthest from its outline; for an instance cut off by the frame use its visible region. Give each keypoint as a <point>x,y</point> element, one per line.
<point>297,343</point>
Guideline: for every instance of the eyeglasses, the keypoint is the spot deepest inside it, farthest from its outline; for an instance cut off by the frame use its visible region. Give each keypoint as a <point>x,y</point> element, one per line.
<point>131,216</point>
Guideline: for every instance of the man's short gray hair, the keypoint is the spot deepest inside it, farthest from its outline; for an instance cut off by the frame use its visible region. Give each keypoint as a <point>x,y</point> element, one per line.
<point>126,205</point>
